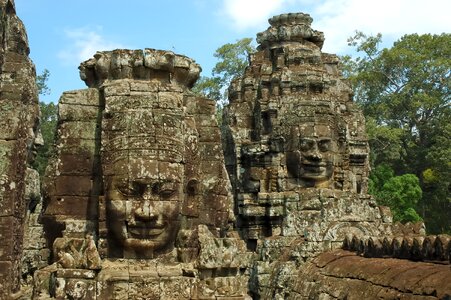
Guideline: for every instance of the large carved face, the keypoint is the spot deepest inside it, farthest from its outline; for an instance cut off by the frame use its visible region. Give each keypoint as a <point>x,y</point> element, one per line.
<point>144,200</point>
<point>311,156</point>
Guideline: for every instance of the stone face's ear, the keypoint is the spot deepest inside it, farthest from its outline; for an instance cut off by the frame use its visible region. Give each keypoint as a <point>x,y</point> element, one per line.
<point>192,187</point>
<point>190,207</point>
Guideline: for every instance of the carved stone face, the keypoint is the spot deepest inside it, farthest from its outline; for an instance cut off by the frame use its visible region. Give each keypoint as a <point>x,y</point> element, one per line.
<point>35,140</point>
<point>311,158</point>
<point>143,205</point>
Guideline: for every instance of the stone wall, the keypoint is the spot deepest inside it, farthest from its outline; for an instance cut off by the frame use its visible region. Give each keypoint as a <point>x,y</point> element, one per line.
<point>35,251</point>
<point>71,183</point>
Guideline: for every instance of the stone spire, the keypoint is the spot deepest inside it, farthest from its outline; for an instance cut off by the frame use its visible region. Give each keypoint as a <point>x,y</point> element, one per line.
<point>290,28</point>
<point>296,150</point>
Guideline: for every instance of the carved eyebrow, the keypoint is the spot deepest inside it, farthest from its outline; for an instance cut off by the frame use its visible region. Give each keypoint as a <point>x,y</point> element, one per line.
<point>168,184</point>
<point>307,140</point>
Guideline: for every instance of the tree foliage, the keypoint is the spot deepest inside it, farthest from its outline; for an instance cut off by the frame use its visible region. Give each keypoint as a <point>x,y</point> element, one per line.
<point>49,115</point>
<point>232,61</point>
<point>400,193</point>
<point>405,95</point>
<point>49,112</point>
<point>41,82</point>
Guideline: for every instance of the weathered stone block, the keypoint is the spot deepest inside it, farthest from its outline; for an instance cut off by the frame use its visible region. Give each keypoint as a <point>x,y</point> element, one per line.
<point>116,88</point>
<point>78,129</point>
<point>88,97</point>
<point>65,186</point>
<point>137,101</point>
<point>177,288</point>
<point>70,145</point>
<point>7,234</point>
<point>70,207</point>
<point>81,164</point>
<point>74,112</point>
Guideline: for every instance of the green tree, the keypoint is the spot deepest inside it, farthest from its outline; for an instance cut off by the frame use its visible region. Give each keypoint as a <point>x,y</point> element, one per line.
<point>41,82</point>
<point>404,93</point>
<point>400,193</point>
<point>49,116</point>
<point>232,61</point>
<point>49,112</point>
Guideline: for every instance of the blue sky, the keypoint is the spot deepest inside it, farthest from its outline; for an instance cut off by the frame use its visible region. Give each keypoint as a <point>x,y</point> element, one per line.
<point>63,33</point>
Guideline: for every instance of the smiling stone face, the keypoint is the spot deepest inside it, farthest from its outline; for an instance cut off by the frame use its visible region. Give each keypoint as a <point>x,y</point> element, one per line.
<point>144,172</point>
<point>311,154</point>
<point>144,205</point>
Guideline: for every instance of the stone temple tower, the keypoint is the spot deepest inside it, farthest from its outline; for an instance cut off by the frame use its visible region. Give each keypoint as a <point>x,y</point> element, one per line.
<point>296,149</point>
<point>138,204</point>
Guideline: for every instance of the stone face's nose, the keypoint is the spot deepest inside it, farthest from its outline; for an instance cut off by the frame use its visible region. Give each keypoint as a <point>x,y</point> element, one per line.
<point>146,211</point>
<point>313,153</point>
<point>150,193</point>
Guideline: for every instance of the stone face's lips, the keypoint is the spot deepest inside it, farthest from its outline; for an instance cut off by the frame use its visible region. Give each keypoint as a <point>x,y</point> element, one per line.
<point>314,166</point>
<point>146,230</point>
<point>308,164</point>
<point>315,169</point>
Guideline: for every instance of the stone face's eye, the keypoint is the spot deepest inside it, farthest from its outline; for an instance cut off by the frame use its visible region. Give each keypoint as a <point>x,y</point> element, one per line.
<point>131,189</point>
<point>306,144</point>
<point>324,145</point>
<point>167,193</point>
<point>167,190</point>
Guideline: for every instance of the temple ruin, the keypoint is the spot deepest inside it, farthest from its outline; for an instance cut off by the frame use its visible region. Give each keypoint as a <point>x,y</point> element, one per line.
<point>147,197</point>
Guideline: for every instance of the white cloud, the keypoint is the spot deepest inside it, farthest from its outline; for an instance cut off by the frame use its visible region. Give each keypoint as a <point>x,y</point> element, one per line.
<point>83,44</point>
<point>250,13</point>
<point>338,19</point>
